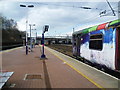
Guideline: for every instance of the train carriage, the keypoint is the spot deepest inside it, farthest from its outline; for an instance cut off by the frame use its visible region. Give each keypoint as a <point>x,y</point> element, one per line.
<point>99,44</point>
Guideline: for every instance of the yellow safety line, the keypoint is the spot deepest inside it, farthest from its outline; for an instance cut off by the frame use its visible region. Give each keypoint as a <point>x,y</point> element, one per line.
<point>79,72</point>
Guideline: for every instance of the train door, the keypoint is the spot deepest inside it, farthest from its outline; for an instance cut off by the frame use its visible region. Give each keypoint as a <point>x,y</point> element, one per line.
<point>74,41</point>
<point>117,63</point>
<point>78,44</point>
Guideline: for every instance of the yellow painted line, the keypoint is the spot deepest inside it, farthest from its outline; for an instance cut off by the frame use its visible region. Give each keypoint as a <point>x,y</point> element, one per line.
<point>10,50</point>
<point>79,72</point>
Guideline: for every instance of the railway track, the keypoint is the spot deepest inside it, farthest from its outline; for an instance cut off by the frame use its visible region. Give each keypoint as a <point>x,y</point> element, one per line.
<point>67,50</point>
<point>10,46</point>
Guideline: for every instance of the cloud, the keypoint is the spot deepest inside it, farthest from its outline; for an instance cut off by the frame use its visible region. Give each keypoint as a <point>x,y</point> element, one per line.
<point>59,19</point>
<point>12,10</point>
<point>61,0</point>
<point>59,16</point>
<point>22,24</point>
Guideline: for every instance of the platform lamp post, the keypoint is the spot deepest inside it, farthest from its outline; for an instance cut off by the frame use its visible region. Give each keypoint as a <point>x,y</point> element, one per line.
<point>45,29</point>
<point>25,6</point>
<point>30,35</point>
<point>34,40</point>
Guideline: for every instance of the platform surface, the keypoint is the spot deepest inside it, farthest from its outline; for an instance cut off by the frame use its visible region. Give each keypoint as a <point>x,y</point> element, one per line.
<point>92,74</point>
<point>57,71</point>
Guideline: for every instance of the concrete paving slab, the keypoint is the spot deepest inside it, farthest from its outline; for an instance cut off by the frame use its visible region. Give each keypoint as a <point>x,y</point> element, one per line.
<point>92,74</point>
<point>57,71</point>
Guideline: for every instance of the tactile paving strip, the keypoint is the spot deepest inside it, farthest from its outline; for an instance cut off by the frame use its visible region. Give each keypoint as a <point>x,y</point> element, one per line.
<point>32,76</point>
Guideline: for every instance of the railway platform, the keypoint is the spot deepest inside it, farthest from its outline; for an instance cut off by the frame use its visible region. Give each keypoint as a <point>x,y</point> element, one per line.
<point>57,71</point>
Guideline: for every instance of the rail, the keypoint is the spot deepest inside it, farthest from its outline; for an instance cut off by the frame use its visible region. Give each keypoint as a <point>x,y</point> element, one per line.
<point>10,46</point>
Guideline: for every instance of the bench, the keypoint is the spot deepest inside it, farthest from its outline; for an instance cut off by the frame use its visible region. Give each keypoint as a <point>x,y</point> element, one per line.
<point>4,77</point>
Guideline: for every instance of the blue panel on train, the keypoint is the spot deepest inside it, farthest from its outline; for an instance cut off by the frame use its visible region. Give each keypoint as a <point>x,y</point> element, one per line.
<point>96,32</point>
<point>108,36</point>
<point>85,38</point>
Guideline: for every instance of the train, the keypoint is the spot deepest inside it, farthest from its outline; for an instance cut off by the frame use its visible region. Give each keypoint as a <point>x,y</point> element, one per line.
<point>99,44</point>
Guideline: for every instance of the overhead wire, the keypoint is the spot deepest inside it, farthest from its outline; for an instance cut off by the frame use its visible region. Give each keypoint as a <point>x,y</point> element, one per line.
<point>93,18</point>
<point>88,19</point>
<point>73,6</point>
<point>108,12</point>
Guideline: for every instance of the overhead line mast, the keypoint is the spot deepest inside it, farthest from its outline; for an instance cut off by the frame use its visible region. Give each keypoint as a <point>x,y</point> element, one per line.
<point>111,8</point>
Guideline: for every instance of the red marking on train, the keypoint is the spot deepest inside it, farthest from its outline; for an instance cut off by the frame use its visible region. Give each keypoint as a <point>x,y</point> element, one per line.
<point>102,26</point>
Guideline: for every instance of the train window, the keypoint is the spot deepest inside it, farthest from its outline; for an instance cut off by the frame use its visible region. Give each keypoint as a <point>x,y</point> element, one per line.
<point>96,42</point>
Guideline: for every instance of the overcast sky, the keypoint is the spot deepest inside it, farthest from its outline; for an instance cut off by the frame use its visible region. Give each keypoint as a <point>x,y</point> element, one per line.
<point>62,16</point>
